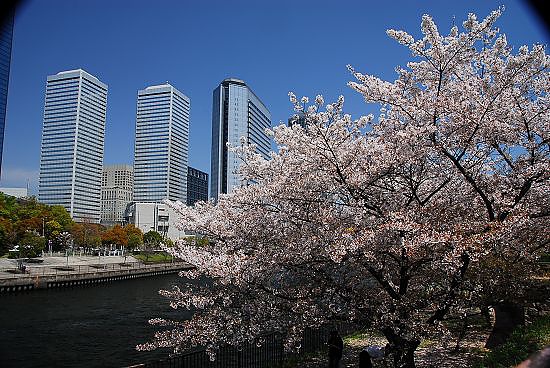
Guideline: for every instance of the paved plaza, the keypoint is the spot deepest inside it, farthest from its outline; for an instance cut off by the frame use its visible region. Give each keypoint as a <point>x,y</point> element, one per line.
<point>50,263</point>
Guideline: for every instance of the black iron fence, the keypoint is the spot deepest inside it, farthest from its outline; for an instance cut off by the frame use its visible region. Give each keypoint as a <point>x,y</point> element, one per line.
<point>269,354</point>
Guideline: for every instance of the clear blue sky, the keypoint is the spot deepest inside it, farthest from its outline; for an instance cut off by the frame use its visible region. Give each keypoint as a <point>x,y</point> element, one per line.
<point>276,46</point>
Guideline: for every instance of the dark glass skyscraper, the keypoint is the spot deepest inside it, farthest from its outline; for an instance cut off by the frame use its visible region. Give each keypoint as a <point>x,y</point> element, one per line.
<point>236,113</point>
<point>6,35</point>
<point>197,186</point>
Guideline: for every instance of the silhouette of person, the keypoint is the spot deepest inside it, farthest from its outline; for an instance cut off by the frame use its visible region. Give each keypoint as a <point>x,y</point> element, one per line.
<point>364,359</point>
<point>335,349</point>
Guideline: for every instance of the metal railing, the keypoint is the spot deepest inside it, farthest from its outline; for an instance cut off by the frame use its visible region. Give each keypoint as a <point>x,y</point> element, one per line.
<point>270,354</point>
<point>88,269</point>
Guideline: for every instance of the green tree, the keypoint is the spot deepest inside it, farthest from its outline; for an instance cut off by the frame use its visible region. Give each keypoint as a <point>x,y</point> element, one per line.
<point>134,241</point>
<point>61,216</point>
<point>152,239</point>
<point>7,235</point>
<point>19,216</point>
<point>134,235</point>
<point>52,229</point>
<point>31,245</point>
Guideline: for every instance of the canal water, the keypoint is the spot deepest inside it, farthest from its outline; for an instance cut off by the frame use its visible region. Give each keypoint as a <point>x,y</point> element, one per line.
<point>95,326</point>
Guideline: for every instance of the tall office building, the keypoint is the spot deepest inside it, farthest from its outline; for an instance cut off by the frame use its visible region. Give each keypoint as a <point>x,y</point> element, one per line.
<point>73,134</point>
<point>197,186</point>
<point>236,112</point>
<point>117,191</point>
<point>6,35</point>
<point>299,118</point>
<point>161,145</point>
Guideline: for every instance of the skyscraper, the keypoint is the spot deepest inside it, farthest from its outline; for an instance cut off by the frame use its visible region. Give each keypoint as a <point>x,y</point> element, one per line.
<point>197,186</point>
<point>6,35</point>
<point>117,191</point>
<point>299,118</point>
<point>73,134</point>
<point>236,112</point>
<point>161,145</point>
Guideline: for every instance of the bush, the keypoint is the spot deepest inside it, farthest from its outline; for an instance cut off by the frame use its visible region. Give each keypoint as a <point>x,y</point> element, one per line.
<point>523,342</point>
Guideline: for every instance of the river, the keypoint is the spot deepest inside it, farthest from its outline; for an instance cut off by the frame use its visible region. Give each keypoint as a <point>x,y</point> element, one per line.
<point>95,326</point>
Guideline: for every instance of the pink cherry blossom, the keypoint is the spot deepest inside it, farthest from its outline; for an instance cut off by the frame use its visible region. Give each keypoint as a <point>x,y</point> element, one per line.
<point>399,222</point>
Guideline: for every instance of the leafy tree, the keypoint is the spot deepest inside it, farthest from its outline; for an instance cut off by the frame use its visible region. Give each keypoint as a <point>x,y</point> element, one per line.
<point>8,205</point>
<point>152,239</point>
<point>134,241</point>
<point>20,216</point>
<point>31,245</point>
<point>134,235</point>
<point>86,234</point>
<point>61,216</point>
<point>52,229</point>
<point>399,222</point>
<point>7,235</point>
<point>115,235</point>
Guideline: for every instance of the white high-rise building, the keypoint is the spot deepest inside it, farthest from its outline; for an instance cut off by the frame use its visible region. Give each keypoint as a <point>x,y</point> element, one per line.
<point>236,112</point>
<point>161,145</point>
<point>73,135</point>
<point>117,191</point>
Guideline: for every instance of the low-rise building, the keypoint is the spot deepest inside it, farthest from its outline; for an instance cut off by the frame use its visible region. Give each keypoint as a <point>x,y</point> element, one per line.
<point>154,216</point>
<point>15,192</point>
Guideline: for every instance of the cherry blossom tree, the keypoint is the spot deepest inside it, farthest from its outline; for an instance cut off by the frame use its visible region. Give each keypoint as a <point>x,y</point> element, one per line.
<point>396,221</point>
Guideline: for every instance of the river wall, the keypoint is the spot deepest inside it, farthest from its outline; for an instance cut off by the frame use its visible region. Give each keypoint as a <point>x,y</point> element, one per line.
<point>86,275</point>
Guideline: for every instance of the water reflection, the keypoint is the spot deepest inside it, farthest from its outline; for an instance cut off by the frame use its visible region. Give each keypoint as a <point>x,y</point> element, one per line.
<point>96,326</point>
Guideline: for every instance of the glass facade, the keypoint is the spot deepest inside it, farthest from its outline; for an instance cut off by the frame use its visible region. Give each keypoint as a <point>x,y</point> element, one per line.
<point>197,186</point>
<point>73,135</point>
<point>6,36</point>
<point>236,112</point>
<point>161,144</point>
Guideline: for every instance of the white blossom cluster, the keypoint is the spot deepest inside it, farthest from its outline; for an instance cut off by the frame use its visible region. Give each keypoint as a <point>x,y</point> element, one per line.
<point>398,223</point>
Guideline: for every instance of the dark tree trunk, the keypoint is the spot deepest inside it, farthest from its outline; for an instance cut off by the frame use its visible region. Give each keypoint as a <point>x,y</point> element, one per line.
<point>508,316</point>
<point>400,350</point>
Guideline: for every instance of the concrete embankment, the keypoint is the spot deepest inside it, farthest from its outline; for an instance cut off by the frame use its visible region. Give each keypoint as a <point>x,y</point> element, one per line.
<point>82,275</point>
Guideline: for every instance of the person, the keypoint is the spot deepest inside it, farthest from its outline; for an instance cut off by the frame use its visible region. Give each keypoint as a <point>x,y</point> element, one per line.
<point>364,359</point>
<point>335,349</point>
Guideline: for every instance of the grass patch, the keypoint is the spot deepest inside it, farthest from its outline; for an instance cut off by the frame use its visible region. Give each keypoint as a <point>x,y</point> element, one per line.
<point>154,257</point>
<point>523,342</point>
<point>356,337</point>
<point>426,344</point>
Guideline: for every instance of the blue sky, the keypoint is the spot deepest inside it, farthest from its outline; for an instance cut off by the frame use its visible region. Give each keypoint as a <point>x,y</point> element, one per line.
<point>276,46</point>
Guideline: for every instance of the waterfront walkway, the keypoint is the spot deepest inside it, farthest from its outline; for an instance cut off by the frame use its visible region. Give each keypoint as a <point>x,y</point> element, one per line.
<point>77,270</point>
